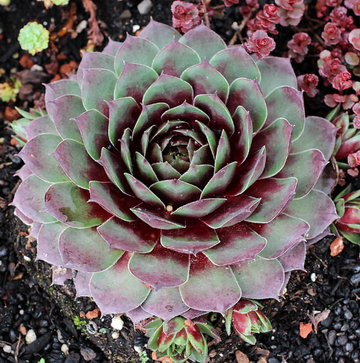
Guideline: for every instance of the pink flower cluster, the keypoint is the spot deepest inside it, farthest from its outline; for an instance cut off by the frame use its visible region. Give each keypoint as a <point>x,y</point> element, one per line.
<point>308,83</point>
<point>266,19</point>
<point>291,11</point>
<point>230,2</point>
<point>298,46</point>
<point>260,44</point>
<point>251,6</point>
<point>185,16</point>
<point>353,161</point>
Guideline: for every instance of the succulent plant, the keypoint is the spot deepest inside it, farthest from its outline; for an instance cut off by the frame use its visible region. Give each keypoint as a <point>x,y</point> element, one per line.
<point>175,175</point>
<point>348,208</point>
<point>33,37</point>
<point>247,319</point>
<point>180,338</point>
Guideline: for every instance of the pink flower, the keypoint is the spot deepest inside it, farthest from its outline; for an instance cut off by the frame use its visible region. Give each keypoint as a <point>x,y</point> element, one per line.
<point>308,83</point>
<point>353,172</point>
<point>245,11</point>
<point>331,34</point>
<point>354,159</point>
<point>339,16</point>
<point>266,20</point>
<point>185,15</point>
<point>331,68</point>
<point>342,81</point>
<point>230,2</point>
<point>333,3</point>
<point>354,38</point>
<point>347,101</point>
<point>260,43</point>
<point>356,120</point>
<point>291,11</point>
<point>298,46</point>
<point>356,8</point>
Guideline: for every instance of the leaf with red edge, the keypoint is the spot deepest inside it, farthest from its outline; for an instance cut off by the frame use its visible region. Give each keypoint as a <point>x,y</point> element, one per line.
<point>294,259</point>
<point>77,163</point>
<point>237,243</point>
<point>276,195</point>
<point>347,147</point>
<point>259,278</point>
<point>69,205</point>
<point>194,238</point>
<point>133,237</point>
<point>199,208</point>
<point>283,233</point>
<point>116,290</point>
<point>196,338</point>
<point>164,341</point>
<point>165,303</point>
<point>161,267</point>
<point>85,250</point>
<point>242,322</point>
<point>220,281</point>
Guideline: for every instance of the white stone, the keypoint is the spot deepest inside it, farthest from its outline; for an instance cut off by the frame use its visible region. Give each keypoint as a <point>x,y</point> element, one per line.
<point>138,349</point>
<point>7,349</point>
<point>313,277</point>
<point>82,25</point>
<point>117,323</point>
<point>30,336</point>
<point>144,7</point>
<point>115,335</point>
<point>65,349</point>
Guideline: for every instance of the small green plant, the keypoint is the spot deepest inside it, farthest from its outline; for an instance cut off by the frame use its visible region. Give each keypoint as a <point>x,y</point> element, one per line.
<point>9,90</point>
<point>50,3</point>
<point>33,37</point>
<point>42,360</point>
<point>143,356</point>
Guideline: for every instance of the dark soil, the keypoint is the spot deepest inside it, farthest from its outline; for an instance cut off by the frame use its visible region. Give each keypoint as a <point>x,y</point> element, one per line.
<point>63,332</point>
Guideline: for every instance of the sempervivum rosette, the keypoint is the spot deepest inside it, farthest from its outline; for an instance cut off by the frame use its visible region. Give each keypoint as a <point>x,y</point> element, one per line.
<point>176,175</point>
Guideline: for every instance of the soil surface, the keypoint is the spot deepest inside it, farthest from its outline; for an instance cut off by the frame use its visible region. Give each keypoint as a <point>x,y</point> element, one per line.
<point>60,328</point>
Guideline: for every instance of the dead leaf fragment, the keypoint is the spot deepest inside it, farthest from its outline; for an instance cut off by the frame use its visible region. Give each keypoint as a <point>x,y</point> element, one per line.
<point>318,317</point>
<point>241,357</point>
<point>305,329</point>
<point>92,314</point>
<point>336,246</point>
<point>165,359</point>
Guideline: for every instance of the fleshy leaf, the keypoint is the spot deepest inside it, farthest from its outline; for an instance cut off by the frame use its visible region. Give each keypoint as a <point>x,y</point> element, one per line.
<point>247,93</point>
<point>41,125</point>
<point>194,238</point>
<point>133,237</point>
<point>48,243</point>
<point>134,80</point>
<point>220,117</point>
<point>98,87</point>
<point>287,103</point>
<point>276,72</point>
<point>316,208</point>
<point>319,134</point>
<point>85,250</point>
<point>242,323</point>
<point>283,233</point>
<point>37,154</point>
<point>307,167</point>
<point>199,208</point>
<point>235,210</point>
<point>237,243</point>
<point>116,290</point>
<point>123,113</point>
<point>69,205</point>
<point>259,278</point>
<point>171,90</point>
<point>93,127</point>
<point>82,283</point>
<point>205,79</point>
<point>112,47</point>
<point>220,281</point>
<point>294,259</point>
<point>29,199</point>
<point>222,153</point>
<point>61,88</point>
<point>77,164</point>
<point>204,41</point>
<point>135,50</point>
<point>198,175</point>
<point>165,303</point>
<point>347,147</point>
<point>175,58</point>
<point>165,171</point>
<point>138,314</point>
<point>125,146</point>
<point>275,194</point>
<point>146,171</point>
<point>277,139</point>
<point>161,267</point>
<point>185,112</point>
<point>235,62</point>
<point>158,33</point>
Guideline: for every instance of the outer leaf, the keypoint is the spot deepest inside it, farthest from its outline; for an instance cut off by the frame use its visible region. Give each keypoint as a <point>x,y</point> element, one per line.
<point>69,205</point>
<point>259,278</point>
<point>61,88</point>
<point>161,267</point>
<point>41,125</point>
<point>82,282</point>
<point>112,47</point>
<point>199,208</point>
<point>85,250</point>
<point>116,290</point>
<point>294,259</point>
<point>204,41</point>
<point>347,147</point>
<point>220,281</point>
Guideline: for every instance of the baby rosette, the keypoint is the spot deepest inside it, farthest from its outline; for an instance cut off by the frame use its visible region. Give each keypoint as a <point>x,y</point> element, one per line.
<point>176,175</point>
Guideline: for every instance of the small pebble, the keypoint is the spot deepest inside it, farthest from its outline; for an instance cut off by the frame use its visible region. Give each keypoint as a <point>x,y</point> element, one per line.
<point>117,323</point>
<point>7,349</point>
<point>144,7</point>
<point>115,335</point>
<point>331,337</point>
<point>30,336</point>
<point>65,349</point>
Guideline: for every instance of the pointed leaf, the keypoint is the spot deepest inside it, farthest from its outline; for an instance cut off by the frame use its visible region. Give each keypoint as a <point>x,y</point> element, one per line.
<point>194,238</point>
<point>198,175</point>
<point>82,283</point>
<point>204,41</point>
<point>138,314</point>
<point>116,290</point>
<point>205,79</point>
<point>125,145</point>
<point>259,278</point>
<point>164,341</point>
<point>171,90</point>
<point>199,208</point>
<point>61,88</point>
<point>237,243</point>
<point>210,137</point>
<point>185,112</point>
<point>316,208</point>
<point>37,154</point>
<point>145,139</point>
<point>77,164</point>
<point>294,259</point>
<point>135,50</point>
<point>288,103</point>
<point>222,152</point>
<point>165,171</point>
<point>206,283</point>
<point>347,147</point>
<point>161,267</point>
<point>112,47</point>
<point>85,250</point>
<point>134,80</point>
<point>196,338</point>
<point>242,323</point>
<point>275,194</point>
<point>41,125</point>
<point>175,58</point>
<point>146,171</point>
<point>235,62</point>
<point>69,205</point>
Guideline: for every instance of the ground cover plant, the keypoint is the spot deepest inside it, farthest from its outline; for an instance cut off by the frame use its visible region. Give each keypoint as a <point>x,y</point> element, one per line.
<point>200,178</point>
